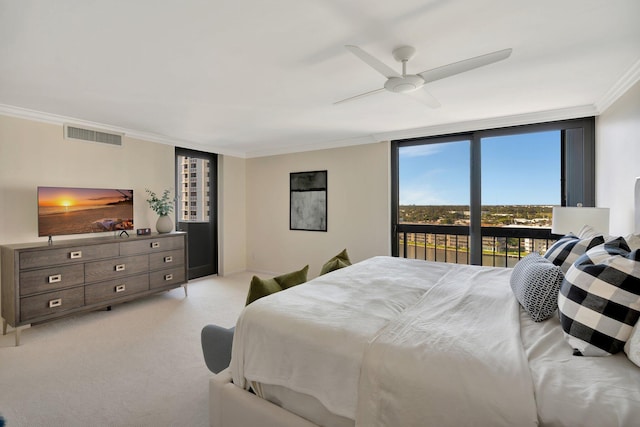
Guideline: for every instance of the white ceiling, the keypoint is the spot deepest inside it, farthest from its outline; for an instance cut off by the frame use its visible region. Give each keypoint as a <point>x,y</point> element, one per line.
<point>253,78</point>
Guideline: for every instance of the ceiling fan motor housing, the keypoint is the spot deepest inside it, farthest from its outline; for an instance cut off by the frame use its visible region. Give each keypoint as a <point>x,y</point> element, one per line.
<point>405,84</point>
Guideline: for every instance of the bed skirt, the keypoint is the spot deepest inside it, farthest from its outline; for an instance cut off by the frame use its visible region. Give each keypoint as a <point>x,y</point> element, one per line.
<point>230,405</point>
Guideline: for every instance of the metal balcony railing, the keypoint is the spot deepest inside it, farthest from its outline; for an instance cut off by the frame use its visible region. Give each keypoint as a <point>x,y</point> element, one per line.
<point>501,246</point>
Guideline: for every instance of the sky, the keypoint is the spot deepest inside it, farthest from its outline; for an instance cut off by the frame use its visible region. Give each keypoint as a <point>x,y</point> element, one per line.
<point>516,170</point>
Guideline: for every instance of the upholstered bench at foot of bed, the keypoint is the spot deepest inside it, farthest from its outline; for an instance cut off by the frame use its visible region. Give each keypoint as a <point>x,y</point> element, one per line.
<point>231,406</point>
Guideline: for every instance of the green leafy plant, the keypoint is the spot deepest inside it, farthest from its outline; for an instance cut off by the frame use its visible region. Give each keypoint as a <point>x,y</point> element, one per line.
<point>161,206</point>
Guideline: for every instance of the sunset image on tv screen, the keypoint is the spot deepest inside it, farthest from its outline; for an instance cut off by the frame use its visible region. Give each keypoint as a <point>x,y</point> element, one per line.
<point>63,210</point>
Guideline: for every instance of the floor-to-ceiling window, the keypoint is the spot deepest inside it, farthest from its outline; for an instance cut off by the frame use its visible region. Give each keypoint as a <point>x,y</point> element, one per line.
<point>434,189</point>
<point>485,197</point>
<point>521,182</point>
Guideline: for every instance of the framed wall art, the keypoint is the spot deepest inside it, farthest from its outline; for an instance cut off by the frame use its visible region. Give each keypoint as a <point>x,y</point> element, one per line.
<point>308,201</point>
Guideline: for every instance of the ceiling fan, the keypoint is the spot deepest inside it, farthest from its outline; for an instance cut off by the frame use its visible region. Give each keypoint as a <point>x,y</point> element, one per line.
<point>410,83</point>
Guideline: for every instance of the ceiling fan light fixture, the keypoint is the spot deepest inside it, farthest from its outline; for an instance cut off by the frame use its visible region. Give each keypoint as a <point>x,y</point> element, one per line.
<point>404,84</point>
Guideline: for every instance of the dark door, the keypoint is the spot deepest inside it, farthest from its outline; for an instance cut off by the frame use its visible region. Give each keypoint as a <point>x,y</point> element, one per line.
<point>197,209</point>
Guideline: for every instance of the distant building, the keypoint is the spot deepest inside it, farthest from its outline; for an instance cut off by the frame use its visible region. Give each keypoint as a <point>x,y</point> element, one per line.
<point>194,189</point>
<point>535,245</point>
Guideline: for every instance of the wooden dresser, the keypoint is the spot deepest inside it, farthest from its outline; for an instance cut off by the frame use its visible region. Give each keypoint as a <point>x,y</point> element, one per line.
<point>42,282</point>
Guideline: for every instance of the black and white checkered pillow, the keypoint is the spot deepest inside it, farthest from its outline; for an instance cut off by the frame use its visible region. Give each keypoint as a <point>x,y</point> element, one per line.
<point>599,300</point>
<point>535,282</point>
<point>569,248</point>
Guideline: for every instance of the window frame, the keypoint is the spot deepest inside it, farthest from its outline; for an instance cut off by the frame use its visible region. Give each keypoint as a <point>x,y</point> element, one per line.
<point>577,160</point>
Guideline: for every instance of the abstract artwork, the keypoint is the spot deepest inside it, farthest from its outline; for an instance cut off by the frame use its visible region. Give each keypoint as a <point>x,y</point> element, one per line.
<point>308,201</point>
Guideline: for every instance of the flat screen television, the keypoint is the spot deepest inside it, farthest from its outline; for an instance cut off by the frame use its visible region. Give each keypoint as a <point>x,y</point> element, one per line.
<point>64,210</point>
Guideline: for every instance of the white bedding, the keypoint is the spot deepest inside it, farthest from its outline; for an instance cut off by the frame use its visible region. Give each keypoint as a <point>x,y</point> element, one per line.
<point>311,338</point>
<point>391,341</point>
<point>578,391</point>
<point>455,358</point>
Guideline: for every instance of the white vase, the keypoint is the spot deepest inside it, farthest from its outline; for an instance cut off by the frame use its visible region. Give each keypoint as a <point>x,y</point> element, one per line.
<point>164,224</point>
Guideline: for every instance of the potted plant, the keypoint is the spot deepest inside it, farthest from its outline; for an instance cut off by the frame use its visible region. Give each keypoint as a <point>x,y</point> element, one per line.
<point>163,207</point>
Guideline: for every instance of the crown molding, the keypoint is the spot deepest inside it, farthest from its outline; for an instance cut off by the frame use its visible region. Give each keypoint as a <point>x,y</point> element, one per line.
<point>55,119</point>
<point>442,129</point>
<point>491,123</point>
<point>326,145</point>
<point>628,79</point>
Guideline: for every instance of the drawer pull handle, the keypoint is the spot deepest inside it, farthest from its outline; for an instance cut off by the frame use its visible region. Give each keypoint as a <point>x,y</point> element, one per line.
<point>168,277</point>
<point>75,255</point>
<point>120,267</point>
<point>155,245</point>
<point>55,303</point>
<point>168,259</point>
<point>121,288</point>
<point>55,278</point>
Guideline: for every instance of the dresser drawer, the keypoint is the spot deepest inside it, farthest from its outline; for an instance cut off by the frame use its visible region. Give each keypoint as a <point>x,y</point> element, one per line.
<point>166,259</point>
<point>45,258</point>
<point>114,289</point>
<point>152,245</point>
<point>98,271</point>
<point>42,282</point>
<point>50,303</point>
<point>49,279</point>
<point>163,278</point>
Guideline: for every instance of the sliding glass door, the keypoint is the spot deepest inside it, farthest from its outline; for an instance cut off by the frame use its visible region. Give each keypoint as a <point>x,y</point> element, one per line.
<point>196,209</point>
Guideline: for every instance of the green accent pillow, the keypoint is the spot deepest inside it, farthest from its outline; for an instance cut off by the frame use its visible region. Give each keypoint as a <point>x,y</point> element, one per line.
<point>294,278</point>
<point>339,261</point>
<point>262,287</point>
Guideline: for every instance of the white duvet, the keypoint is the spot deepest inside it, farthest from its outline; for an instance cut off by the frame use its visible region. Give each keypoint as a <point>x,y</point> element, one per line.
<point>391,341</point>
<point>454,358</point>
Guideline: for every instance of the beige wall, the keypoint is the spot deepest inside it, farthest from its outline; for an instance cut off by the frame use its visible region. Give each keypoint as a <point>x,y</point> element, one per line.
<point>618,160</point>
<point>36,154</point>
<point>232,218</point>
<point>358,208</point>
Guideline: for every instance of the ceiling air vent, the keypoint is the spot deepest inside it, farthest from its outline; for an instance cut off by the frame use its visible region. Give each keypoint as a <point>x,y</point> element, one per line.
<point>93,135</point>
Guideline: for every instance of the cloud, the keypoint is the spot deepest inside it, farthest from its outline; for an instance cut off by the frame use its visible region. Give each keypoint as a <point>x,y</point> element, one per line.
<point>419,151</point>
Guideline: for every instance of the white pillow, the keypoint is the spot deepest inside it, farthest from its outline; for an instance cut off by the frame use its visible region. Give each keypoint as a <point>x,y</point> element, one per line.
<point>588,232</point>
<point>633,240</point>
<point>632,346</point>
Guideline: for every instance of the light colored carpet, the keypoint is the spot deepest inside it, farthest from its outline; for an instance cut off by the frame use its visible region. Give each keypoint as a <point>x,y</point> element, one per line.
<point>140,364</point>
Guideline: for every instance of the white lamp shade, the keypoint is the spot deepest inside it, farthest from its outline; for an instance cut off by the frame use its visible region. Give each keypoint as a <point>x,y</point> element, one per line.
<point>570,219</point>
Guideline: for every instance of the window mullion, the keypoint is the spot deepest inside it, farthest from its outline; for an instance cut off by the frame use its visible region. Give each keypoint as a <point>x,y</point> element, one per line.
<point>475,223</point>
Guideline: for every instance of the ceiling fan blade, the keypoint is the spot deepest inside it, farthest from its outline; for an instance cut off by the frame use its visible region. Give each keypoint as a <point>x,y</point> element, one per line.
<point>465,65</point>
<point>374,63</point>
<point>424,97</point>
<point>362,95</point>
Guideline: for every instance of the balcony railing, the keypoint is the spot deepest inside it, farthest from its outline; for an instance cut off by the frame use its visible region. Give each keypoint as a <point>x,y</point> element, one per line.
<point>501,246</point>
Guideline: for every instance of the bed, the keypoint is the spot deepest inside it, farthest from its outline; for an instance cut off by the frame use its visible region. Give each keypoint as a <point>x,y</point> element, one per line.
<point>400,342</point>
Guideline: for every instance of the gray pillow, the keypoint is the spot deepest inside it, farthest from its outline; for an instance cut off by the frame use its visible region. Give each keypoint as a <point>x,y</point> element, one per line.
<point>535,282</point>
